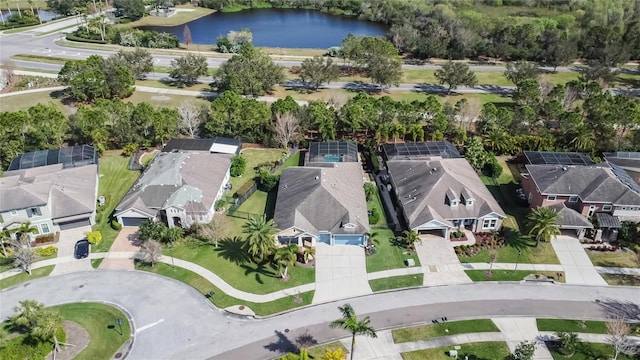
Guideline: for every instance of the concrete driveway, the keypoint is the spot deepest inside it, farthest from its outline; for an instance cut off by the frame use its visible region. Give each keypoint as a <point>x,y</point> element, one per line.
<point>578,268</point>
<point>66,248</point>
<point>126,241</point>
<point>441,264</point>
<point>341,272</point>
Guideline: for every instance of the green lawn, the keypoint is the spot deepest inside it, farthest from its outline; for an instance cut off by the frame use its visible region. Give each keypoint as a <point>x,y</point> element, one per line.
<point>397,282</point>
<point>100,321</point>
<point>509,275</point>
<point>375,204</point>
<point>255,157</point>
<point>617,258</point>
<point>231,262</point>
<point>577,326</point>
<point>388,256</point>
<point>424,332</point>
<point>476,351</point>
<point>220,299</point>
<point>316,352</point>
<point>24,277</point>
<point>589,351</point>
<point>621,279</point>
<point>543,254</point>
<point>293,160</point>
<point>115,180</point>
<point>256,203</point>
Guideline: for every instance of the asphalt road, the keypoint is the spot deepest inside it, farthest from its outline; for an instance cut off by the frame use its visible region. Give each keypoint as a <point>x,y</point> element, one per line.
<point>27,43</point>
<point>173,321</point>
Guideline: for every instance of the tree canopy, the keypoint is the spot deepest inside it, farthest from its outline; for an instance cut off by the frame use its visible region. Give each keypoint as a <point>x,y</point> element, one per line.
<point>250,72</point>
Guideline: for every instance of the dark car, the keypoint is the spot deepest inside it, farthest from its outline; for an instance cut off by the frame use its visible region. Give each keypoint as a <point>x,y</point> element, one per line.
<point>82,249</point>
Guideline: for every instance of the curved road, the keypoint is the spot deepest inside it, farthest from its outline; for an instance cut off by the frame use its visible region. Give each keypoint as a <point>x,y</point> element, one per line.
<point>173,321</point>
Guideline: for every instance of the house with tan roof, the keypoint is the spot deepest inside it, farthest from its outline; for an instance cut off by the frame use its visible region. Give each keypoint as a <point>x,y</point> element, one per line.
<point>438,192</point>
<point>323,201</point>
<point>181,184</point>
<point>54,190</point>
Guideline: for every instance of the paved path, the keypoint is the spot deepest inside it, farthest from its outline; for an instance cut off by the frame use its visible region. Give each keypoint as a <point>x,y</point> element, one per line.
<point>516,330</point>
<point>577,266</point>
<point>380,348</point>
<point>341,273</point>
<point>440,263</point>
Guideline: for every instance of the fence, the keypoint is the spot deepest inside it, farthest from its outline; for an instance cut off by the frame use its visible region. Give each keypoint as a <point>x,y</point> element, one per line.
<point>233,211</point>
<point>134,164</point>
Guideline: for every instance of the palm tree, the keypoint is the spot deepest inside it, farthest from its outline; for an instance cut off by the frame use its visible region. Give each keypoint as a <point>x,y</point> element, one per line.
<point>311,252</point>
<point>259,234</point>
<point>47,325</point>
<point>24,230</point>
<point>349,322</point>
<point>286,256</point>
<point>410,238</point>
<point>26,314</point>
<point>172,235</point>
<point>583,138</point>
<point>544,224</point>
<point>568,342</point>
<point>5,235</point>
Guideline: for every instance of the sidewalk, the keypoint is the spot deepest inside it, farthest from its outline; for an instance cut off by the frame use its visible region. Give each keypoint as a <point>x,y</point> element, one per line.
<point>517,330</point>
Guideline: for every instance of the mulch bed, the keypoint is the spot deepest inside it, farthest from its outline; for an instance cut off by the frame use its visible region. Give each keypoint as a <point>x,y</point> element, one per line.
<point>76,336</point>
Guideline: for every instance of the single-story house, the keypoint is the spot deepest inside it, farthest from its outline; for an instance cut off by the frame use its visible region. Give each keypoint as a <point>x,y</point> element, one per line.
<point>323,202</point>
<point>441,192</point>
<point>181,184</point>
<point>52,189</point>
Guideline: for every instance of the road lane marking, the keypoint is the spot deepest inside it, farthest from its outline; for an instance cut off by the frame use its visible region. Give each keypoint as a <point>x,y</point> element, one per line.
<point>143,328</point>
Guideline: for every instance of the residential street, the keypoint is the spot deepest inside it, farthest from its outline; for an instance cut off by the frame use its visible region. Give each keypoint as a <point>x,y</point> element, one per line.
<point>178,322</point>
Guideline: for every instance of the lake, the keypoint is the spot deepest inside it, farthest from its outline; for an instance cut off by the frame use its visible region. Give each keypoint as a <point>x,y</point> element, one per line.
<point>44,14</point>
<point>285,28</point>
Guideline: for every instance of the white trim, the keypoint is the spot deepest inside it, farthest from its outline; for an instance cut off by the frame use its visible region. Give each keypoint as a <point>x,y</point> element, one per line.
<point>490,220</point>
<point>607,207</point>
<point>551,197</point>
<point>573,197</point>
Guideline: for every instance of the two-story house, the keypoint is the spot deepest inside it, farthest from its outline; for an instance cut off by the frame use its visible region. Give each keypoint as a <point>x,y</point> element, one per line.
<point>54,190</point>
<point>587,190</point>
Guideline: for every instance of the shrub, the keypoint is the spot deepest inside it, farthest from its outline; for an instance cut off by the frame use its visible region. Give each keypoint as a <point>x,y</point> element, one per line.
<point>47,251</point>
<point>115,225</point>
<point>267,181</point>
<point>219,205</point>
<point>129,149</point>
<point>238,165</point>
<point>72,37</point>
<point>94,237</point>
<point>244,189</point>
<point>374,216</point>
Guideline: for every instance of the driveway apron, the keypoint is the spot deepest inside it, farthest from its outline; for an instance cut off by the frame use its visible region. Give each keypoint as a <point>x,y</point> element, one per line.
<point>577,266</point>
<point>341,272</point>
<point>66,247</point>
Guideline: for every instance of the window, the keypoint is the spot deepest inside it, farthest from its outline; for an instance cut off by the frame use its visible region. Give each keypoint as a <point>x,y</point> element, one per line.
<point>33,212</point>
<point>44,228</point>
<point>454,202</point>
<point>14,212</point>
<point>469,202</point>
<point>573,199</point>
<point>489,223</point>
<point>551,197</point>
<point>606,208</point>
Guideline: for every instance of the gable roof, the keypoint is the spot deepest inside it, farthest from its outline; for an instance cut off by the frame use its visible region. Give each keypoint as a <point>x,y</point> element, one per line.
<point>68,191</point>
<point>318,199</point>
<point>569,218</point>
<point>188,180</point>
<point>590,183</point>
<point>422,187</point>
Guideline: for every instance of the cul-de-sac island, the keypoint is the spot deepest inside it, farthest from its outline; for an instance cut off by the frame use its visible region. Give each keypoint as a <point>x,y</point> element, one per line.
<point>320,179</point>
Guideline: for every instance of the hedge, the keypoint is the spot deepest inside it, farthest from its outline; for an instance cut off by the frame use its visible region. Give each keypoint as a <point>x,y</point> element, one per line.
<point>244,188</point>
<point>72,37</point>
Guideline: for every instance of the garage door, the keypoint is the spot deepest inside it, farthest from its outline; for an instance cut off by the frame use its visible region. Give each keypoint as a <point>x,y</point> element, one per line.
<point>74,224</point>
<point>131,221</point>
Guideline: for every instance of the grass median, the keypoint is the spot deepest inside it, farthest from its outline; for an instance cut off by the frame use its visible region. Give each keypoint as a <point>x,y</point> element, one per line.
<point>577,326</point>
<point>481,350</point>
<point>512,275</point>
<point>24,277</point>
<point>425,332</point>
<point>396,282</point>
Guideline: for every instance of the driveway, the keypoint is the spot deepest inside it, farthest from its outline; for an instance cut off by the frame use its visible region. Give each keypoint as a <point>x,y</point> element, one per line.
<point>441,264</point>
<point>66,247</point>
<point>126,241</point>
<point>341,272</point>
<point>578,268</point>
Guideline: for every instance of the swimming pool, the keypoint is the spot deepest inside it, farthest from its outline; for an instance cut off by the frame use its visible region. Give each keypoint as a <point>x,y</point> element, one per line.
<point>332,158</point>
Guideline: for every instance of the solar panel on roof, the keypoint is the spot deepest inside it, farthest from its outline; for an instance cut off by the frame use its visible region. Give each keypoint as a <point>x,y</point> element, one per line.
<point>624,177</point>
<point>557,158</point>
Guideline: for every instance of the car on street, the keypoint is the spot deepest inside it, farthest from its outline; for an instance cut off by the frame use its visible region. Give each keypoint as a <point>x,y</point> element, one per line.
<point>82,249</point>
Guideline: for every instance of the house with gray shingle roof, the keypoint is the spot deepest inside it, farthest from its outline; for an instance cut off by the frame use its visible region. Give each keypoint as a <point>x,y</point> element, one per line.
<point>180,186</point>
<point>439,195</point>
<point>323,202</point>
<point>52,197</point>
<point>586,190</point>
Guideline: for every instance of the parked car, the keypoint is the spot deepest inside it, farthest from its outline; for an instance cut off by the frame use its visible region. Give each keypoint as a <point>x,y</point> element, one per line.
<point>82,249</point>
